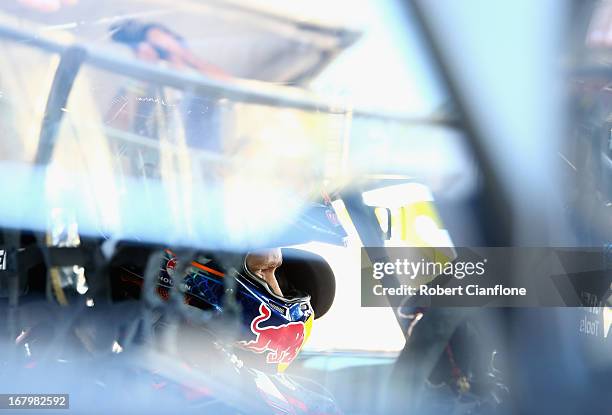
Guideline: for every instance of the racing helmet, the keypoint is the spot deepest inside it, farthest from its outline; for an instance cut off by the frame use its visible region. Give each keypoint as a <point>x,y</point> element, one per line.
<point>273,327</point>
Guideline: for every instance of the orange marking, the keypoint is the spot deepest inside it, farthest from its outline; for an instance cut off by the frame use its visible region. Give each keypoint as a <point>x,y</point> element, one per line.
<point>207,269</point>
<point>200,266</point>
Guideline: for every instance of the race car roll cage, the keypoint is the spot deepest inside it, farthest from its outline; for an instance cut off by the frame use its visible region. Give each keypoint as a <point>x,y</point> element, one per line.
<point>496,220</point>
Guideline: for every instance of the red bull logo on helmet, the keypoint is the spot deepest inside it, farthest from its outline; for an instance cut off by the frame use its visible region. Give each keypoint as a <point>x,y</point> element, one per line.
<point>281,343</point>
<point>171,266</point>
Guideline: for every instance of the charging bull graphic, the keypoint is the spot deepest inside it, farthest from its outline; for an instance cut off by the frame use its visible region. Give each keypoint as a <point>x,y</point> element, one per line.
<point>281,342</point>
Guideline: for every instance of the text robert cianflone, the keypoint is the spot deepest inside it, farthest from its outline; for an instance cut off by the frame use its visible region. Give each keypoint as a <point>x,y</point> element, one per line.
<point>470,290</point>
<point>410,269</point>
<point>413,269</point>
